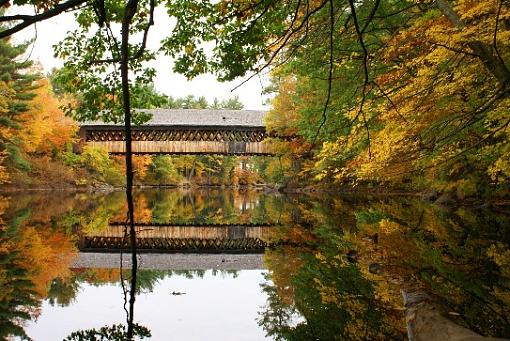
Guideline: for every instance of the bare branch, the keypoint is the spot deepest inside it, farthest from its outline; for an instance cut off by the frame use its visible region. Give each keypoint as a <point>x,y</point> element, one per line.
<point>112,41</point>
<point>261,14</point>
<point>371,16</point>
<point>495,36</point>
<point>28,20</point>
<point>453,49</point>
<point>99,9</point>
<point>330,73</point>
<point>141,50</point>
<point>283,44</point>
<point>361,41</point>
<point>33,42</point>
<point>389,100</point>
<point>143,45</point>
<point>238,12</point>
<point>395,13</point>
<point>365,71</point>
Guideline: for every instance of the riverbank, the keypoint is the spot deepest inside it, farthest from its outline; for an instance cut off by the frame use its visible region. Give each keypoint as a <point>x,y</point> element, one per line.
<point>94,186</point>
<point>427,320</point>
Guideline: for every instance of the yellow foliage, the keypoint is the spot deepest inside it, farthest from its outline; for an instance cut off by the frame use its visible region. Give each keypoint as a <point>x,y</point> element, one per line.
<point>501,257</point>
<point>45,127</point>
<point>387,226</point>
<point>4,174</point>
<point>283,112</point>
<point>434,111</point>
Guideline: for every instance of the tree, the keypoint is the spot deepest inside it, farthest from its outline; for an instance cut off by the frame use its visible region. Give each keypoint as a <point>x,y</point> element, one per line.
<point>232,103</point>
<point>16,86</point>
<point>145,96</point>
<point>163,171</point>
<point>399,86</point>
<point>45,128</point>
<point>188,102</point>
<point>117,332</point>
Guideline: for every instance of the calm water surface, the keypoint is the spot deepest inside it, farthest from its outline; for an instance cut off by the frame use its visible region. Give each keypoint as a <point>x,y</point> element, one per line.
<point>243,265</point>
<point>213,307</point>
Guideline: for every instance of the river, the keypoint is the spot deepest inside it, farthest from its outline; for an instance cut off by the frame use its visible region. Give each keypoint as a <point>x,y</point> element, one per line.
<point>219,264</point>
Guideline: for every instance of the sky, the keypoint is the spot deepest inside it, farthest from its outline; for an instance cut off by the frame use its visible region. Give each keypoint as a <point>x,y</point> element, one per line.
<point>52,31</point>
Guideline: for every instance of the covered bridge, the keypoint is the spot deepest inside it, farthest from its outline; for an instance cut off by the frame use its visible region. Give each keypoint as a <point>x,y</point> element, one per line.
<point>239,238</point>
<point>185,131</point>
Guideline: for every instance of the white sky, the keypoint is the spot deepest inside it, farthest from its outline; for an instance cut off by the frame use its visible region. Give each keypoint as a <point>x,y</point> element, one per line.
<point>213,308</point>
<point>52,31</point>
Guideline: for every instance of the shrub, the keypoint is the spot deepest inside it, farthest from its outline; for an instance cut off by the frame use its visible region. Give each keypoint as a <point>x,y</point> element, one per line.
<point>162,171</point>
<point>97,161</point>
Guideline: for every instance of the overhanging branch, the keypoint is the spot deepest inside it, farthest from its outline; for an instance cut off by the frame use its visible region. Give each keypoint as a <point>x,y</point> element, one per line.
<point>27,20</point>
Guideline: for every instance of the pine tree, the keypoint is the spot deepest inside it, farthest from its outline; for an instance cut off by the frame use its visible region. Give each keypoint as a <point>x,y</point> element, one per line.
<point>16,91</point>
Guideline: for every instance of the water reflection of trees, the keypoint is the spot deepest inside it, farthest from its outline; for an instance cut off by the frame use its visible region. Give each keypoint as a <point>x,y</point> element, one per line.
<point>64,291</point>
<point>339,275</point>
<point>33,251</point>
<point>18,300</point>
<point>320,296</point>
<point>345,280</point>
<point>213,207</point>
<point>181,207</point>
<point>116,332</point>
<point>37,245</point>
<point>38,235</point>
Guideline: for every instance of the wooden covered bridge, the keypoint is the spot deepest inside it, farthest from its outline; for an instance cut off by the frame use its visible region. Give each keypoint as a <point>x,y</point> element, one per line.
<point>185,131</point>
<point>210,238</point>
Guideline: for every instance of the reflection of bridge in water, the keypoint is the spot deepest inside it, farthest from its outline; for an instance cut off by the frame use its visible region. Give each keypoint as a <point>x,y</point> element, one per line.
<point>206,238</point>
<point>227,132</point>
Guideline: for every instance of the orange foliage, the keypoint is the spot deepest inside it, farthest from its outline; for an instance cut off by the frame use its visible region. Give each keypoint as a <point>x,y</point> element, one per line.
<point>45,127</point>
<point>47,254</point>
<point>141,165</point>
<point>100,275</point>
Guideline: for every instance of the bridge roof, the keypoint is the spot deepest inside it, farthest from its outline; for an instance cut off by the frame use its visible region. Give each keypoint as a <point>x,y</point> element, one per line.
<point>198,117</point>
<point>174,261</point>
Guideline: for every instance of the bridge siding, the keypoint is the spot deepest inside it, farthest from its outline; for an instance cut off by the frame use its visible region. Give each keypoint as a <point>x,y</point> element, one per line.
<point>184,147</point>
<point>183,232</point>
<point>216,245</point>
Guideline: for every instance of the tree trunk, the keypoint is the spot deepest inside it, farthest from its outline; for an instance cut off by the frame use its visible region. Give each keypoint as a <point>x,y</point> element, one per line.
<point>486,53</point>
<point>129,12</point>
<point>192,170</point>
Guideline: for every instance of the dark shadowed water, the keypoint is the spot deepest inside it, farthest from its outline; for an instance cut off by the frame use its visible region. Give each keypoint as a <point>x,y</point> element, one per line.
<point>243,265</point>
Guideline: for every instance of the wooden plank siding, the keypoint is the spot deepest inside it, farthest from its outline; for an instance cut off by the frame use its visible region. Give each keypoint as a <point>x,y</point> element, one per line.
<point>186,147</point>
<point>186,232</point>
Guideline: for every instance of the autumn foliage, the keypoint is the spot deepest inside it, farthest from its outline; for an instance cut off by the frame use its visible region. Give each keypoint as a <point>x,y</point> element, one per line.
<point>426,105</point>
<point>45,127</point>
